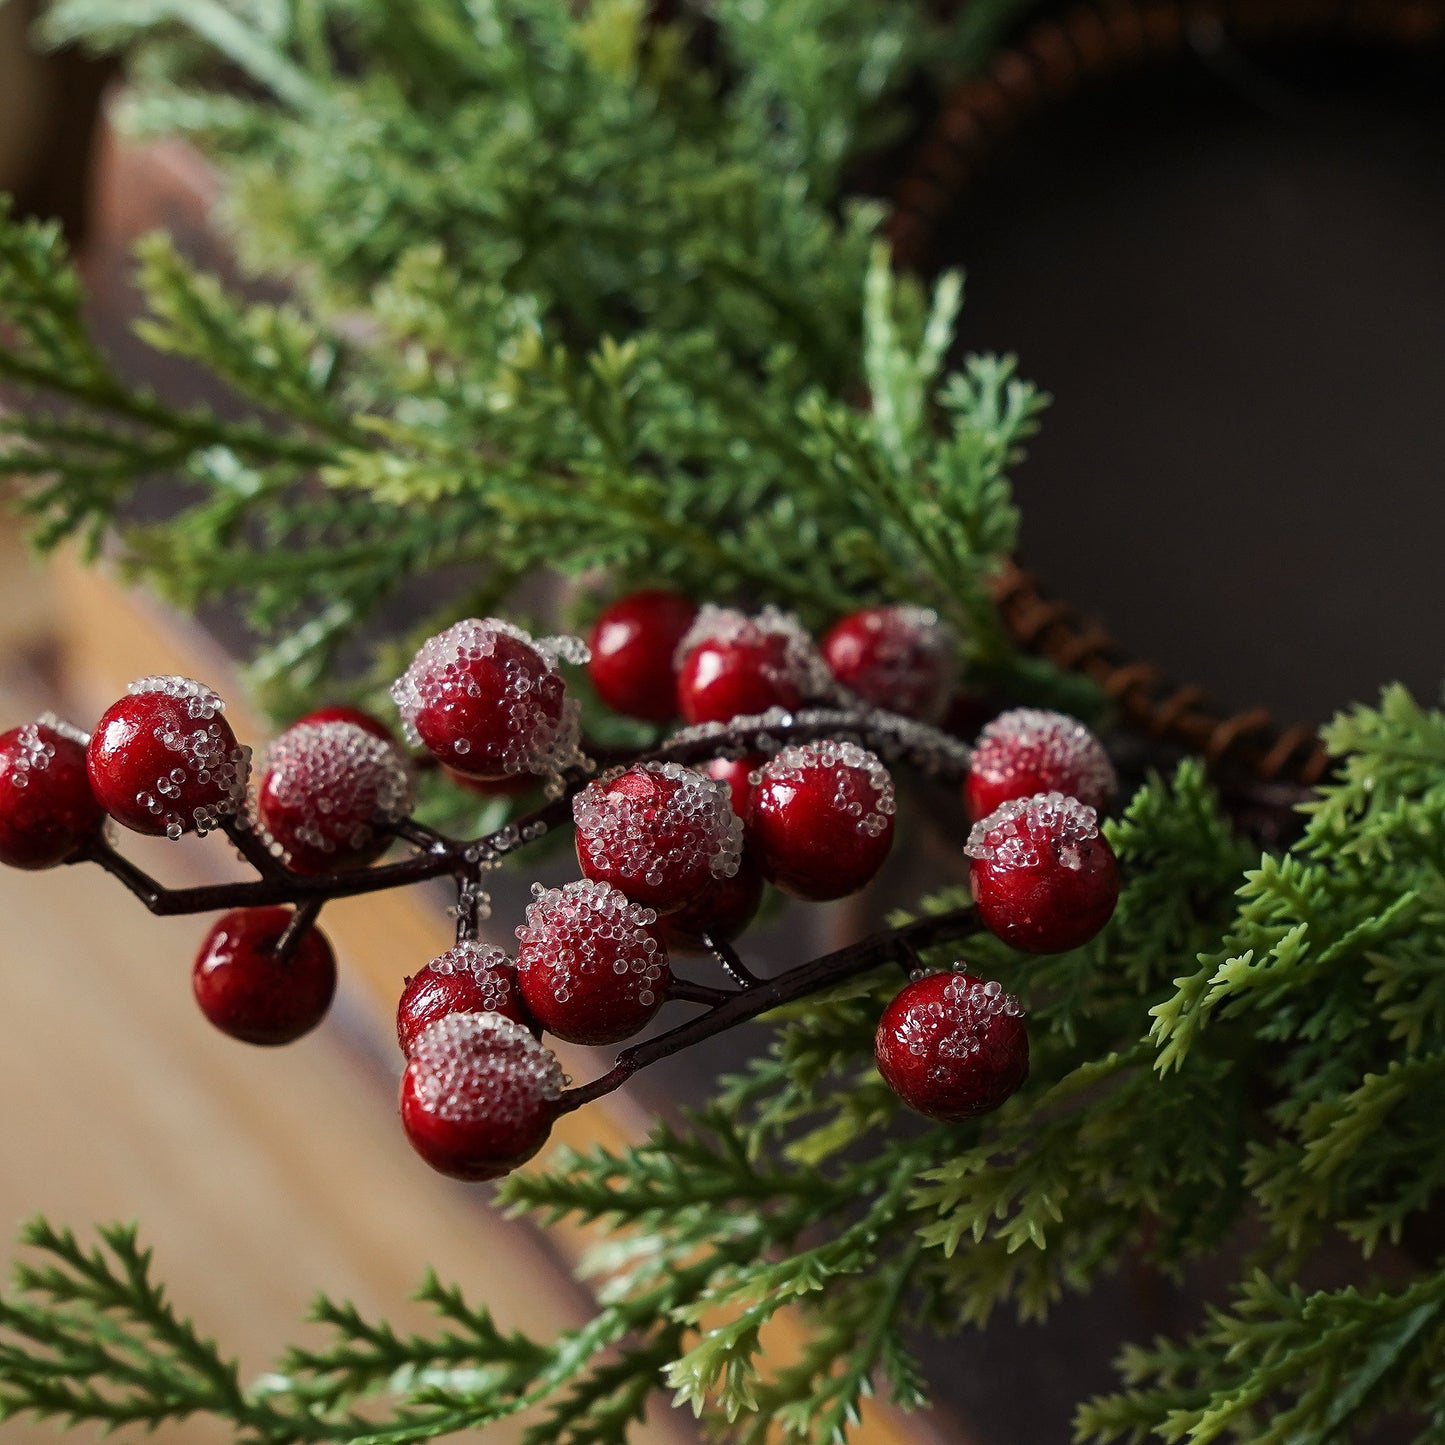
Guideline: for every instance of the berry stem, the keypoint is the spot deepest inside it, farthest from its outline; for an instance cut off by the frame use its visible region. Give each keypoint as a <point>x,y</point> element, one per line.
<point>727,955</point>
<point>249,845</point>
<point>765,995</point>
<point>301,922</point>
<point>469,901</point>
<point>685,991</point>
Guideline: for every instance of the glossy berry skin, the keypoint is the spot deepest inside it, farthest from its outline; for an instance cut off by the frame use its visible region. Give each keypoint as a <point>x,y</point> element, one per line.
<point>633,646</point>
<point>1044,879</point>
<point>897,658</point>
<point>737,773</point>
<point>486,700</point>
<point>164,759</point>
<point>952,1046</point>
<point>344,713</point>
<point>327,795</point>
<point>47,809</point>
<point>246,991</point>
<point>660,832</point>
<point>820,822</point>
<point>731,665</point>
<point>1028,751</point>
<point>722,908</point>
<point>470,978</point>
<point>591,966</point>
<point>478,1095</point>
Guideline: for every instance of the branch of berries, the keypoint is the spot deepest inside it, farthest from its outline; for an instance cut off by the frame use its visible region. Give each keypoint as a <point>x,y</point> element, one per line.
<point>780,776</point>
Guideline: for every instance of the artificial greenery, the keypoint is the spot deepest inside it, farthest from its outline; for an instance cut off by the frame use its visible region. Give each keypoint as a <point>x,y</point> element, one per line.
<point>580,291</point>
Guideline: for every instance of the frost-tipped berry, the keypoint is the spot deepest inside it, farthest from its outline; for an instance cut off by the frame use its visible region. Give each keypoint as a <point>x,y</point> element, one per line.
<point>164,759</point>
<point>590,963</point>
<point>634,646</point>
<point>1044,878</point>
<point>470,978</point>
<point>657,831</point>
<point>723,908</point>
<point>737,773</point>
<point>328,795</point>
<point>487,700</point>
<point>479,1095</point>
<point>820,822</point>
<point>1030,751</point>
<point>898,658</point>
<point>730,665</point>
<point>952,1046</point>
<point>249,991</point>
<point>47,809</point>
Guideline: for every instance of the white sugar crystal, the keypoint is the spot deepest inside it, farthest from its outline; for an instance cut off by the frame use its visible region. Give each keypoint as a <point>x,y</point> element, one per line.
<point>589,927</point>
<point>1048,745</point>
<point>65,729</point>
<point>863,786</point>
<point>202,702</point>
<point>801,664</point>
<point>956,1027</point>
<point>473,1066</point>
<point>1028,832</point>
<point>488,966</point>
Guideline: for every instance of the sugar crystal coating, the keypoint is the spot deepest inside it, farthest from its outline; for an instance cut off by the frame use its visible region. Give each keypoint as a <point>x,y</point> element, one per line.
<point>657,831</point>
<point>900,657</point>
<point>1029,750</point>
<point>957,1025</point>
<point>871,806</point>
<point>474,1067</point>
<point>47,806</point>
<point>1034,832</point>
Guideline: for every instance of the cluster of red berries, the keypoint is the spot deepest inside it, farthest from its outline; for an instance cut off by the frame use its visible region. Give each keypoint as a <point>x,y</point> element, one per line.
<point>671,856</point>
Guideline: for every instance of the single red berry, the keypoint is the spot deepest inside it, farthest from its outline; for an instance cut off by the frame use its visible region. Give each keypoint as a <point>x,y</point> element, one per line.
<point>634,644</point>
<point>821,819</point>
<point>487,700</point>
<point>737,773</point>
<point>164,759</point>
<point>248,991</point>
<point>952,1046</point>
<point>340,712</point>
<point>47,809</point>
<point>591,966</point>
<point>898,658</point>
<point>723,908</point>
<point>1030,751</point>
<point>328,794</point>
<point>470,978</point>
<point>1044,879</point>
<point>732,665</point>
<point>479,1095</point>
<point>659,832</point>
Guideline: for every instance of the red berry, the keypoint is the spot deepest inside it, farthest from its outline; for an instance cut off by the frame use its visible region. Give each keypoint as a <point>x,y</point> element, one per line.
<point>952,1046</point>
<point>339,712</point>
<point>634,644</point>
<point>723,908</point>
<point>898,658</point>
<point>164,760</point>
<point>731,665</point>
<point>249,992</point>
<point>479,1095</point>
<point>327,794</point>
<point>47,809</point>
<point>1044,879</point>
<point>487,700</point>
<point>659,832</point>
<point>470,978</point>
<point>592,969</point>
<point>1030,751</point>
<point>737,773</point>
<point>821,820</point>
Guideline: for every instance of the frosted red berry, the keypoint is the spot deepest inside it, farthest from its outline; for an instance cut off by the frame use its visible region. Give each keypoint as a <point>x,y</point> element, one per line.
<point>952,1046</point>
<point>659,832</point>
<point>164,759</point>
<point>723,908</point>
<point>470,978</point>
<point>487,699</point>
<point>737,773</point>
<point>898,658</point>
<point>248,991</point>
<point>590,963</point>
<point>47,809</point>
<point>732,665</point>
<point>328,794</point>
<point>340,712</point>
<point>1030,751</point>
<point>479,1095</point>
<point>634,646</point>
<point>820,822</point>
<point>1044,878</point>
